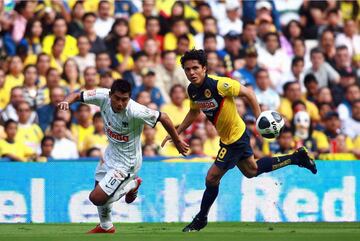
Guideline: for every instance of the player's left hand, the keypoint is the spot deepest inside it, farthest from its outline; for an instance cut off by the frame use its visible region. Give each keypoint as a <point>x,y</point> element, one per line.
<point>181,146</point>
<point>166,139</point>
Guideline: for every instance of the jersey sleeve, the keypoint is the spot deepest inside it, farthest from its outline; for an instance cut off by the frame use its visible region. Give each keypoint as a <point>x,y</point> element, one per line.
<point>228,87</point>
<point>95,97</point>
<point>146,115</point>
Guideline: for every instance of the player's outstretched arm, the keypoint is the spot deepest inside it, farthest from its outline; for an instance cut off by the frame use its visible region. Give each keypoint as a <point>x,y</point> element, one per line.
<point>180,144</point>
<point>251,98</point>
<point>189,119</point>
<point>71,98</point>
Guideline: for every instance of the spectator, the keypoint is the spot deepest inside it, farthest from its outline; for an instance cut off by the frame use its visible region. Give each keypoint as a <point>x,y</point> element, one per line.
<point>33,37</point>
<point>152,51</point>
<point>152,27</point>
<point>296,74</point>
<point>98,138</point>
<point>213,67</point>
<point>299,49</point>
<point>349,38</point>
<point>71,75</point>
<point>97,44</point>
<point>148,151</point>
<point>327,45</point>
<point>122,57</point>
<point>210,26</point>
<point>333,22</point>
<point>246,75</point>
<point>169,74</point>
<point>83,127</point>
<point>90,78</point>
<point>292,31</point>
<point>31,91</point>
<point>323,72</point>
<point>333,129</point>
<point>352,94</point>
<point>179,27</point>
<point>76,27</point>
<point>4,92</point>
<point>351,125</point>
<point>43,63</point>
<point>137,20</point>
<point>60,30</point>
<point>264,94</point>
<point>249,37</point>
<point>106,79</point>
<point>149,78</point>
<point>58,130</point>
<point>133,76</point>
<point>47,146</point>
<point>274,58</point>
<point>94,152</point>
<point>196,146</point>
<point>29,133</point>
<point>232,22</point>
<point>84,58</point>
<point>183,45</point>
<point>57,53</point>
<point>292,93</point>
<point>149,139</point>
<point>212,140</point>
<point>45,113</point>
<point>16,97</point>
<point>103,63</point>
<point>347,78</point>
<point>283,145</point>
<point>232,55</point>
<point>14,76</point>
<point>312,87</point>
<point>12,148</point>
<point>342,58</point>
<point>104,20</point>
<point>119,29</point>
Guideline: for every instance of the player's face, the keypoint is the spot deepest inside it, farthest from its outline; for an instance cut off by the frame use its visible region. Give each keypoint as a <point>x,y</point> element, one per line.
<point>119,100</point>
<point>195,72</point>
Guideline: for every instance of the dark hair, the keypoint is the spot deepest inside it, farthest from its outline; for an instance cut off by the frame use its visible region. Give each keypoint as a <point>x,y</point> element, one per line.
<point>56,119</point>
<point>183,37</point>
<point>88,14</point>
<point>120,85</point>
<point>9,122</point>
<point>298,102</point>
<point>284,130</point>
<point>287,85</point>
<point>137,55</point>
<point>259,71</point>
<point>97,115</point>
<point>51,69</point>
<point>40,55</point>
<point>47,138</point>
<point>209,17</point>
<point>193,138</point>
<point>20,6</point>
<point>350,86</point>
<point>65,77</point>
<point>172,89</point>
<point>310,78</point>
<point>82,105</point>
<point>316,50</point>
<point>208,35</point>
<point>194,54</point>
<point>57,39</point>
<point>269,34</point>
<point>30,66</point>
<point>287,28</point>
<point>296,60</point>
<point>151,18</point>
<point>28,30</point>
<point>175,20</point>
<point>166,52</point>
<point>341,47</point>
<point>92,149</point>
<point>248,22</point>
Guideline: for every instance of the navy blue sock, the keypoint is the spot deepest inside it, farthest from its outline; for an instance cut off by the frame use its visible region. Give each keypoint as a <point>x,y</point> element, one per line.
<point>268,164</point>
<point>208,199</point>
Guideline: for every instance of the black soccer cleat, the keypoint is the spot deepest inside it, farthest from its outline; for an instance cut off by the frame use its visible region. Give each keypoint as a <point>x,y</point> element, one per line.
<point>305,160</point>
<point>195,225</point>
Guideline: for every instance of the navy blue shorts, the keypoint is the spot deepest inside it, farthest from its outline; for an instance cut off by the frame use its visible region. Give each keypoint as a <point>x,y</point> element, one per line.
<point>229,155</point>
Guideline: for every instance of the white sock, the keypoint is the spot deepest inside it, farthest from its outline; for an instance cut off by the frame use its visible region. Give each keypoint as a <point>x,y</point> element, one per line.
<point>105,216</point>
<point>122,191</point>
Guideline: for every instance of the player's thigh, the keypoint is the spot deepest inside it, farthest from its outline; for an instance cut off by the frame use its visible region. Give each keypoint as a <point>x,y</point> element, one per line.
<point>214,175</point>
<point>248,166</point>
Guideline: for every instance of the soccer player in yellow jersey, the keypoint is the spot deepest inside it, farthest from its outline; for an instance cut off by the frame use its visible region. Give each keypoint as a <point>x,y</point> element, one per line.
<point>214,96</point>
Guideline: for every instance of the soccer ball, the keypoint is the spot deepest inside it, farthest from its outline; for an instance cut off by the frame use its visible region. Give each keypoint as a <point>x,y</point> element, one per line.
<point>269,124</point>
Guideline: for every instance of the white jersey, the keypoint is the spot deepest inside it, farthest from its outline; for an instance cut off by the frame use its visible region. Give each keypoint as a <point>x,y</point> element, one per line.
<point>122,129</point>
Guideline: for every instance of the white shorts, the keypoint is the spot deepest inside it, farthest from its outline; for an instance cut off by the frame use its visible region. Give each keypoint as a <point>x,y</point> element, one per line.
<point>110,179</point>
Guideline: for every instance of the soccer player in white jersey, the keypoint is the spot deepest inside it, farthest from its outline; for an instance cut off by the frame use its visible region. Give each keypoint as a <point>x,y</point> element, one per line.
<point>123,123</point>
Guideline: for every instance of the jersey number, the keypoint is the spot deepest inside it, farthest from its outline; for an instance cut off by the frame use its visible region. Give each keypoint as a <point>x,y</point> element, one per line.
<point>222,152</point>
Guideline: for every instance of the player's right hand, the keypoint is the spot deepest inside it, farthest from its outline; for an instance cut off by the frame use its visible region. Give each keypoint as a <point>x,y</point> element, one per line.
<point>63,105</point>
<point>182,147</point>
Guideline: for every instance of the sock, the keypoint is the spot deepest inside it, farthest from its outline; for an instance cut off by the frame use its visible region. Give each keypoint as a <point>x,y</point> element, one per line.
<point>122,191</point>
<point>208,199</point>
<point>105,216</point>
<point>268,164</point>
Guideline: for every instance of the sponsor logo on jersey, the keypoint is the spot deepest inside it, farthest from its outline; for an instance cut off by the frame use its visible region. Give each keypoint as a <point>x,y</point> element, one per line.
<point>207,105</point>
<point>116,136</point>
<point>207,93</point>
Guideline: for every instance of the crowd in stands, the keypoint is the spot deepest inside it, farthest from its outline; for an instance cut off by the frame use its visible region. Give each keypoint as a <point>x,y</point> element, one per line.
<point>302,58</point>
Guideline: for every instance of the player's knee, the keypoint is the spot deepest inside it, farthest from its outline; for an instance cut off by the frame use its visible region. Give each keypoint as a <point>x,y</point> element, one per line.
<point>250,173</point>
<point>96,200</point>
<point>212,180</point>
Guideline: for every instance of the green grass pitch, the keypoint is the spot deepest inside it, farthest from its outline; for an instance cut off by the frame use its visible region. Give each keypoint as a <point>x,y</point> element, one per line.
<point>172,232</point>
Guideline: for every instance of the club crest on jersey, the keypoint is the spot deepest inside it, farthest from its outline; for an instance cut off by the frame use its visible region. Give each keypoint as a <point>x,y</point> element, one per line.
<point>207,105</point>
<point>125,124</point>
<point>207,93</point>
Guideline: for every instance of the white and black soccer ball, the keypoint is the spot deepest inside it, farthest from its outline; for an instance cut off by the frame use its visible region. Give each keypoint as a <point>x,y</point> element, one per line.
<point>269,124</point>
